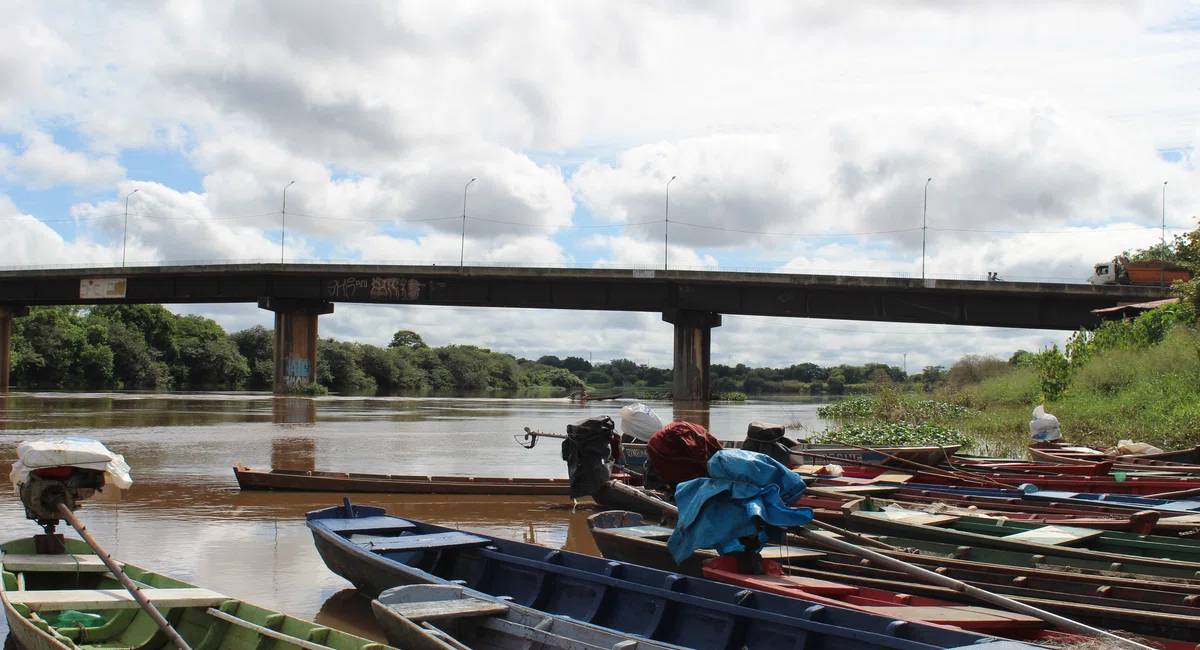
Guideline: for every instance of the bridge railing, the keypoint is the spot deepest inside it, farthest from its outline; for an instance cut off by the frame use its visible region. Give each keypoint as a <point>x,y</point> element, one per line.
<point>823,271</point>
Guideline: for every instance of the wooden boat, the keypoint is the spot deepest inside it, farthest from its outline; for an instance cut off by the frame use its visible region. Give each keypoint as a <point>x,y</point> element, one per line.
<point>1082,469</point>
<point>1185,460</point>
<point>1137,485</point>
<point>821,454</point>
<point>829,509</point>
<point>376,552</point>
<point>451,617</point>
<point>1159,609</point>
<point>70,601</point>
<point>317,481</point>
<point>1156,555</point>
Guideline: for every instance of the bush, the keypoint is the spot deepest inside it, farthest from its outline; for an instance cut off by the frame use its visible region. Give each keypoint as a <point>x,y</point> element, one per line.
<point>974,368</point>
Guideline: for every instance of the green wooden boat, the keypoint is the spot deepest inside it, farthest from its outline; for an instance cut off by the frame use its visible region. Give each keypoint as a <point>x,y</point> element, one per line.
<point>70,601</point>
<point>1042,544</point>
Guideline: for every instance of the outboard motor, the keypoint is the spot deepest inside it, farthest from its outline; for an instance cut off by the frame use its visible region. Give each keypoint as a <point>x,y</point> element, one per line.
<point>768,439</point>
<point>591,448</point>
<point>62,471</point>
<point>47,487</point>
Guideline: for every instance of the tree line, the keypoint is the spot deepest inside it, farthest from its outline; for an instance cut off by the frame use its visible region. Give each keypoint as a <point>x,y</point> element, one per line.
<point>148,347</point>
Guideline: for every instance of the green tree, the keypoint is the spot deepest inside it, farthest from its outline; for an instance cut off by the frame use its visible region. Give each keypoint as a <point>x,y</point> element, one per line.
<point>257,345</point>
<point>575,364</point>
<point>338,367</point>
<point>407,339</point>
<point>550,360</point>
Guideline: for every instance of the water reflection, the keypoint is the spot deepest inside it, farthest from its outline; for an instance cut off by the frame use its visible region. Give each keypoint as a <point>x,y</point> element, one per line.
<point>294,453</point>
<point>294,410</point>
<point>185,516</point>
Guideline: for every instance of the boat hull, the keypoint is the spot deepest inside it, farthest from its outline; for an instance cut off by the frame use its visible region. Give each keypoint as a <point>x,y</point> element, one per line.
<point>660,606</point>
<point>341,482</point>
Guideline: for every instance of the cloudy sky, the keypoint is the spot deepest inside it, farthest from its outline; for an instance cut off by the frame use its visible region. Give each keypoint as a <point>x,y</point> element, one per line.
<point>801,135</point>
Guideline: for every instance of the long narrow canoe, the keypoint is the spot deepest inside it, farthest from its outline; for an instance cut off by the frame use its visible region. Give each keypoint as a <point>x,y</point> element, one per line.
<point>820,454</point>
<point>1138,485</point>
<point>376,552</point>
<point>70,601</point>
<point>830,509</point>
<point>1185,460</point>
<point>1167,555</point>
<point>1166,610</point>
<point>317,481</point>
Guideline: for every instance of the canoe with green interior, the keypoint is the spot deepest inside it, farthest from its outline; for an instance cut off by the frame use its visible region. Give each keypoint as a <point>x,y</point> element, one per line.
<point>1152,554</point>
<point>72,602</point>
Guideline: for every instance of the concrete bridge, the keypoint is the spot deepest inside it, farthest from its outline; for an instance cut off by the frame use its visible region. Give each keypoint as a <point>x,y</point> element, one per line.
<point>693,301</point>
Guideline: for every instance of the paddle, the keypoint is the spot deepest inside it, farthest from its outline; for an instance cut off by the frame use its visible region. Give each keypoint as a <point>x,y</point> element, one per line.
<point>124,579</point>
<point>927,468</point>
<point>913,570</point>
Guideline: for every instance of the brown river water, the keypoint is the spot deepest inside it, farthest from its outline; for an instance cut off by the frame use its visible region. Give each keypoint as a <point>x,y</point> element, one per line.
<point>186,517</point>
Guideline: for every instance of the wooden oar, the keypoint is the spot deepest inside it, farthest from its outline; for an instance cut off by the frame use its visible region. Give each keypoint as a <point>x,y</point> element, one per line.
<point>961,587</point>
<point>133,589</point>
<point>864,463</point>
<point>1177,494</point>
<point>915,571</point>
<point>943,473</point>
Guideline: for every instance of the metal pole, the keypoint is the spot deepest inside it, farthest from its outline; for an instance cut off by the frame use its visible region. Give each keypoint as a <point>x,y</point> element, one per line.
<point>283,222</point>
<point>1163,241</point>
<point>924,210</point>
<point>462,247</point>
<point>125,239</point>
<point>667,222</point>
<point>116,570</point>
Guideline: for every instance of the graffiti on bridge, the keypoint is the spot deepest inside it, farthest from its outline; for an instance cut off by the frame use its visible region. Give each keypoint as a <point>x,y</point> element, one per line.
<point>374,288</point>
<point>298,372</point>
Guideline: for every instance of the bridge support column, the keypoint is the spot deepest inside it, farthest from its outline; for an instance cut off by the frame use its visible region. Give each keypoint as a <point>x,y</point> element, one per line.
<point>295,340</point>
<point>7,314</point>
<point>693,347</point>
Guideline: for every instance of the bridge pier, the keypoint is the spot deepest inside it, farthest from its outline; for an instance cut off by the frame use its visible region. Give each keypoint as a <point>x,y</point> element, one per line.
<point>295,340</point>
<point>7,314</point>
<point>693,350</point>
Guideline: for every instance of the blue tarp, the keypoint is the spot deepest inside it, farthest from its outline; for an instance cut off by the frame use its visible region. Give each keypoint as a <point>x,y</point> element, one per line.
<point>743,485</point>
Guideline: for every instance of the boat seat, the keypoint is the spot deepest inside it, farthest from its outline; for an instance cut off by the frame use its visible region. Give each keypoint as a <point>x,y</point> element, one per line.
<point>426,542</point>
<point>1055,535</point>
<point>98,599</point>
<point>366,523</point>
<point>434,610</point>
<point>908,517</point>
<point>67,563</point>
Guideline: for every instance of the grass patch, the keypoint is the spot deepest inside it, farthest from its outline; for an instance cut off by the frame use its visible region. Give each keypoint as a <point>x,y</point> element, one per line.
<point>1146,394</point>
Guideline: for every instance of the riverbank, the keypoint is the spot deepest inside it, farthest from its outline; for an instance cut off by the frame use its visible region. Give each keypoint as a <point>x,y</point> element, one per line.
<point>1131,380</point>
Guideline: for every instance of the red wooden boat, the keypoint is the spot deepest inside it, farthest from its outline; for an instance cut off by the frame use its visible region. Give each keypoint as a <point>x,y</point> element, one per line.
<point>1081,469</point>
<point>829,509</point>
<point>1139,485</point>
<point>1184,460</point>
<point>878,601</point>
<point>317,481</point>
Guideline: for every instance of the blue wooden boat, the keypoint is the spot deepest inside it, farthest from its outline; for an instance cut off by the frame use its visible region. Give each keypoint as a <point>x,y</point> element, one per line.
<point>376,552</point>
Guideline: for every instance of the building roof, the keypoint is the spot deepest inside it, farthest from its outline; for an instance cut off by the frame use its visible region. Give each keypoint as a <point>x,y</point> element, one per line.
<point>1133,309</point>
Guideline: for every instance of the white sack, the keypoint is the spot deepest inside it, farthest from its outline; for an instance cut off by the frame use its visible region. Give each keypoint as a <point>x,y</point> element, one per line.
<point>1043,427</point>
<point>639,421</point>
<point>85,453</point>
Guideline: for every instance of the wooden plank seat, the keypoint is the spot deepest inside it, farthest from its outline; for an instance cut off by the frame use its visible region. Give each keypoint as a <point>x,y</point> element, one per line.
<point>426,542</point>
<point>18,563</point>
<point>97,599</point>
<point>433,610</point>
<point>1055,535</point>
<point>366,523</point>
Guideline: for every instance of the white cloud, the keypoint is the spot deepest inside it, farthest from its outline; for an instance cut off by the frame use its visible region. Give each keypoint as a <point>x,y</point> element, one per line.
<point>780,119</point>
<point>44,164</point>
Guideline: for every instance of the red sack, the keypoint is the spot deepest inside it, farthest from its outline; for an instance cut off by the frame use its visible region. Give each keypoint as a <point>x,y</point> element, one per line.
<point>680,451</point>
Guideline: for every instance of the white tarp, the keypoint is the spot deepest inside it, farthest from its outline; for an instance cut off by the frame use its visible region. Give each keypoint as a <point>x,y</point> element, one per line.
<point>74,452</point>
<point>639,421</point>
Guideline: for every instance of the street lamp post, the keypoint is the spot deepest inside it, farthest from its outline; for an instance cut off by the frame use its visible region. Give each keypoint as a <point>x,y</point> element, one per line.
<point>125,239</point>
<point>667,221</point>
<point>924,210</point>
<point>1163,241</point>
<point>283,222</point>
<point>462,247</point>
